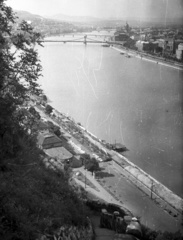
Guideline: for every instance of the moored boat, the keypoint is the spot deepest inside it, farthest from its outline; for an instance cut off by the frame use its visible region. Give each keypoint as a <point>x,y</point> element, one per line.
<point>105,45</point>
<point>128,56</point>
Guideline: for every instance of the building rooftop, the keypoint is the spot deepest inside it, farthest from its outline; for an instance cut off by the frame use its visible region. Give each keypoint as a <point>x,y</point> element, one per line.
<point>48,140</point>
<point>41,125</point>
<point>60,152</point>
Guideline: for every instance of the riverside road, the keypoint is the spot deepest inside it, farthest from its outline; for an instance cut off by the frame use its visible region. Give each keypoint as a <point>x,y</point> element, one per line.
<point>116,188</point>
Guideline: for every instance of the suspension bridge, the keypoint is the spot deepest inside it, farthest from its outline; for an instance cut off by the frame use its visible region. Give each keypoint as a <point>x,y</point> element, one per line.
<point>84,39</point>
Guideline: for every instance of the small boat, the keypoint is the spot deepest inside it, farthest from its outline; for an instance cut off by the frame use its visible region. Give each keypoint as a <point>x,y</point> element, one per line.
<point>118,147</point>
<point>105,45</point>
<point>128,56</point>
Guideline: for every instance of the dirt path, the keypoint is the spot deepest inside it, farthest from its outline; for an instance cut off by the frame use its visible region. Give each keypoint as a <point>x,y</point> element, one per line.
<point>101,233</point>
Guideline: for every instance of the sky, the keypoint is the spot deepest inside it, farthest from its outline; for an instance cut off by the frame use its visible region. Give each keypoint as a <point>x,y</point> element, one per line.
<point>102,8</point>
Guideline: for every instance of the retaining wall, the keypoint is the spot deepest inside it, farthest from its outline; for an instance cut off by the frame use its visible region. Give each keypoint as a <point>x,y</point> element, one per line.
<point>147,180</point>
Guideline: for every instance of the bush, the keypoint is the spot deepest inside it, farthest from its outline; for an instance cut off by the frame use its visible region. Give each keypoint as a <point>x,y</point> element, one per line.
<point>169,236</point>
<point>34,112</point>
<point>33,198</point>
<point>44,97</point>
<point>48,109</point>
<point>92,165</point>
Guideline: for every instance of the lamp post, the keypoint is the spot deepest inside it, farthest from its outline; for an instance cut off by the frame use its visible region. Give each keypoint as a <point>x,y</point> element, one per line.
<point>152,185</point>
<point>85,178</point>
<point>85,171</point>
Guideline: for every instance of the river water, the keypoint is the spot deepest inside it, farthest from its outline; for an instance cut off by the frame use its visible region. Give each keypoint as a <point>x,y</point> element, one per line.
<point>126,100</point>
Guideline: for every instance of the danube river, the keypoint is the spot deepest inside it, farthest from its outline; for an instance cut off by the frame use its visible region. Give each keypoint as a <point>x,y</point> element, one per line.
<point>127,100</point>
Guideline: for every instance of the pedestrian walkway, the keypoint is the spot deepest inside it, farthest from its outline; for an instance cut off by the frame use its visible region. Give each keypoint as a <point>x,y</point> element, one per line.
<point>101,193</point>
<point>132,198</point>
<point>101,233</point>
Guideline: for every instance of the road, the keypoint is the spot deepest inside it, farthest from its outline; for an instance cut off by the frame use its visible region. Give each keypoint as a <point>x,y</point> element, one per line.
<point>138,202</point>
<point>101,233</point>
<point>115,188</point>
<point>148,57</point>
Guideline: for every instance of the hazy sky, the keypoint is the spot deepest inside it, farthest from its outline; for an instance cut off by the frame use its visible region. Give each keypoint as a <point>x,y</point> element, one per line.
<point>102,8</point>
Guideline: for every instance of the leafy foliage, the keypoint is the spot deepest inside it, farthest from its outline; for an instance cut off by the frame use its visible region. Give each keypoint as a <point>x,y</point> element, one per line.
<point>149,234</point>
<point>33,111</point>
<point>44,97</point>
<point>48,109</point>
<point>33,199</point>
<point>90,164</point>
<point>169,236</point>
<point>19,71</point>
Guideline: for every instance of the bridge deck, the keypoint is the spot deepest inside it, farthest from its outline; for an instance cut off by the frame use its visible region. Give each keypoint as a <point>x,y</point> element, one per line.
<point>93,41</point>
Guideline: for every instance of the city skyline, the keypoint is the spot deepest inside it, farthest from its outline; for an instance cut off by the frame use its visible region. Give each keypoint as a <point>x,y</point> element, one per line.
<point>119,9</point>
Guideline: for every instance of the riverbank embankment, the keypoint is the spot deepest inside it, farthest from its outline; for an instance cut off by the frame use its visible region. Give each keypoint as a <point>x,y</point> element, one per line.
<point>141,179</point>
<point>150,58</point>
<point>155,188</point>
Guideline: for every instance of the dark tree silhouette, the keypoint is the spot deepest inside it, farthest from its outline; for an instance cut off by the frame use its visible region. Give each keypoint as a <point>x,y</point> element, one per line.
<point>19,71</point>
<point>48,109</point>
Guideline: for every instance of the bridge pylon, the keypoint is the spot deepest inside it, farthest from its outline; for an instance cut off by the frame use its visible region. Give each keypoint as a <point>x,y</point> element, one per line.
<point>85,41</point>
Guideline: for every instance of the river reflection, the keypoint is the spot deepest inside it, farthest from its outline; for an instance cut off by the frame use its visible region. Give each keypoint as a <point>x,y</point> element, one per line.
<point>127,100</point>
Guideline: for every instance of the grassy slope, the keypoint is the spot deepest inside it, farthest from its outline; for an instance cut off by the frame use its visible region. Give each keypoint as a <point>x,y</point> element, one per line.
<point>34,199</point>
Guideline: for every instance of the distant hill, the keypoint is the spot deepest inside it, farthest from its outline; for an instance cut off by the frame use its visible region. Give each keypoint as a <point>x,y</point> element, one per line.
<point>67,18</point>
<point>46,26</point>
<point>159,21</point>
<point>23,15</point>
<point>134,21</point>
<point>113,22</point>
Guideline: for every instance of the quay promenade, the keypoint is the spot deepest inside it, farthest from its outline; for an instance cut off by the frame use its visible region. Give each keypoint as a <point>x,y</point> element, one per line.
<point>150,58</point>
<point>138,174</point>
